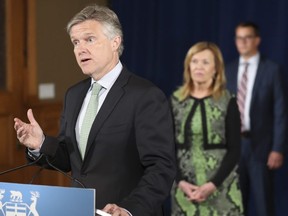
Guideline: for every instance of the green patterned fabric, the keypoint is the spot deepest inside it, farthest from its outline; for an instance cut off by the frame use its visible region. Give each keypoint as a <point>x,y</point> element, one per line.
<point>200,139</point>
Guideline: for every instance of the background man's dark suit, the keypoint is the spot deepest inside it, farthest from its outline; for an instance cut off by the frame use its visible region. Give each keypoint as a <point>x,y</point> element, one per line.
<point>129,157</point>
<point>268,117</point>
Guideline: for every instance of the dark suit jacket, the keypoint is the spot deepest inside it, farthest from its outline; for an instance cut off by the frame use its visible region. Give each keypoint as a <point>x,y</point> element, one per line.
<point>268,110</point>
<point>130,155</point>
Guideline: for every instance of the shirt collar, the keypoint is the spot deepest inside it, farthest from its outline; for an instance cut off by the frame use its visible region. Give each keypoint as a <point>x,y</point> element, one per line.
<point>254,60</point>
<point>108,79</point>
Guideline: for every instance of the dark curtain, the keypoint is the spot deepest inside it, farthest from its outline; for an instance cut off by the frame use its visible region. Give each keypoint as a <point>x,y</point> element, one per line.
<point>158,33</point>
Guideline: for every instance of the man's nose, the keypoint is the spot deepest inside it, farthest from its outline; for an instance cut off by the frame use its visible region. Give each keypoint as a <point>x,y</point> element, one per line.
<point>81,47</point>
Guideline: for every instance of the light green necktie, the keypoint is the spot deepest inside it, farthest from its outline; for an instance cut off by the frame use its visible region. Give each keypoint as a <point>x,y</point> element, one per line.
<point>89,118</point>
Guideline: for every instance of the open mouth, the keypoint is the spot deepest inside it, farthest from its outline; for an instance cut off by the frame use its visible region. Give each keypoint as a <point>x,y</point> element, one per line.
<point>85,60</point>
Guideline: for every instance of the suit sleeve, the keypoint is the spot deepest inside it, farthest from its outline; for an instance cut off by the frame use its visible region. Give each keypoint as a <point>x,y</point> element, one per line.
<point>233,139</point>
<point>155,144</point>
<point>280,113</point>
<point>54,149</point>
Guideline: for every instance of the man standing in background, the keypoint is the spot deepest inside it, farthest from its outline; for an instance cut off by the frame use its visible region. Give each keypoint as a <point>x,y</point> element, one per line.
<point>261,99</point>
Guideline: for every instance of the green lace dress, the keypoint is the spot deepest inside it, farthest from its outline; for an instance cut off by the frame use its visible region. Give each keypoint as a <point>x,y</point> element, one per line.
<point>208,148</point>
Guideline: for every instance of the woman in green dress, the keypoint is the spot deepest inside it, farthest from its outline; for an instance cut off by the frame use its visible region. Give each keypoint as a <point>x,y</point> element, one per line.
<point>207,133</point>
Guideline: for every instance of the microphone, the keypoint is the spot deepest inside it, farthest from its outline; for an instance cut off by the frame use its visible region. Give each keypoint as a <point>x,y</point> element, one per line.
<point>22,166</point>
<point>102,213</point>
<point>63,173</point>
<point>41,168</point>
<point>37,173</point>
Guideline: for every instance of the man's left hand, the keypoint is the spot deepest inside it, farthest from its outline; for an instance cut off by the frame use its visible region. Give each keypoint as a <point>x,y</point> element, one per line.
<point>275,160</point>
<point>115,210</point>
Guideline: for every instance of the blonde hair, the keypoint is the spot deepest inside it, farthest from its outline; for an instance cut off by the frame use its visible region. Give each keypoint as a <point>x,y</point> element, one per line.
<point>219,81</point>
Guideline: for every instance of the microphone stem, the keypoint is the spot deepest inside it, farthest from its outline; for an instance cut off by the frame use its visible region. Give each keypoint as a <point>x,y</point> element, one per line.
<point>36,174</point>
<point>65,174</point>
<point>22,166</point>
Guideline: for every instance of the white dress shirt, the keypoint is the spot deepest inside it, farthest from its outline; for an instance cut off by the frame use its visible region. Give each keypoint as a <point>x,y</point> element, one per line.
<point>106,82</point>
<point>251,75</point>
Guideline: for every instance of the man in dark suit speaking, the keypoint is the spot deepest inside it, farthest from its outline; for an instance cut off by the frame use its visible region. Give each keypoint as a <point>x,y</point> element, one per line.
<point>260,95</point>
<point>126,152</point>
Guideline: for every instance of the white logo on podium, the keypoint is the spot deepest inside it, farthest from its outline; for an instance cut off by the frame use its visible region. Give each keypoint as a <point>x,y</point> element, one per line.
<point>16,206</point>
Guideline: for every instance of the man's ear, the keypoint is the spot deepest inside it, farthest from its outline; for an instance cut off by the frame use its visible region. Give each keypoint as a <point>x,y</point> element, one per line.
<point>258,41</point>
<point>116,41</point>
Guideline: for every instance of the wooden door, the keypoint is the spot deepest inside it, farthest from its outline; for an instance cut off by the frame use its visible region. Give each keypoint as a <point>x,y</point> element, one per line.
<point>18,92</point>
<point>12,85</point>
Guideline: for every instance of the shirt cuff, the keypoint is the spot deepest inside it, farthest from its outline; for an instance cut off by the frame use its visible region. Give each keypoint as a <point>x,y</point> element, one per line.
<point>127,211</point>
<point>36,152</point>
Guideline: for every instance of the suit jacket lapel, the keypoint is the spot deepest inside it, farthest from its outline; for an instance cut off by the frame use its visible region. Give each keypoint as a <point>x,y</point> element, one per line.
<point>111,100</point>
<point>258,78</point>
<point>234,77</point>
<point>81,96</point>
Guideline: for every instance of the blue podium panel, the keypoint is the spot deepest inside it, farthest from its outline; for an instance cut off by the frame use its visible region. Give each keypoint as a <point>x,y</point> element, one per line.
<point>39,200</point>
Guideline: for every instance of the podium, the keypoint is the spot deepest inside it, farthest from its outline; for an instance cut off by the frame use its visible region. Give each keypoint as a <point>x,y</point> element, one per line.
<point>40,200</point>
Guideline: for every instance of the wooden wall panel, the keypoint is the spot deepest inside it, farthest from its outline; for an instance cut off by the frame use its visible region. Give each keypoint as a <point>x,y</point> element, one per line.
<point>12,154</point>
<point>26,50</point>
<point>48,115</point>
<point>5,146</point>
<point>4,149</point>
